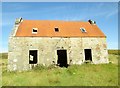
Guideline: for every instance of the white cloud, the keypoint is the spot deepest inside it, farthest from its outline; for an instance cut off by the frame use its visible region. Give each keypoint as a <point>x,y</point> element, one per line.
<point>112,13</point>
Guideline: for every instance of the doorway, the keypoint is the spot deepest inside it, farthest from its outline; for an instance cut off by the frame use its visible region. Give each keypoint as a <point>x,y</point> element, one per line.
<point>32,56</point>
<point>88,54</point>
<point>62,58</point>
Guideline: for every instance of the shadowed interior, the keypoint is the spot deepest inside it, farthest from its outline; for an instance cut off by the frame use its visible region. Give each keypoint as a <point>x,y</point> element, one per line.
<point>88,55</point>
<point>62,58</point>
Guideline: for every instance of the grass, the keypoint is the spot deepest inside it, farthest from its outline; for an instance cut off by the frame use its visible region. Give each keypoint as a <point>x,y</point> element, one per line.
<point>115,52</point>
<point>84,75</point>
<point>4,55</point>
<point>75,75</point>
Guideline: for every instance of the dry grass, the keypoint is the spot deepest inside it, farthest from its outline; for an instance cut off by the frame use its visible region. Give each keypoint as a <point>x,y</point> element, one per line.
<point>76,75</point>
<point>84,75</point>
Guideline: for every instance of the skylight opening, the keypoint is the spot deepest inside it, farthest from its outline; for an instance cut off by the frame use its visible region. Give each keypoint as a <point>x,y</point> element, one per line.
<point>83,30</point>
<point>56,29</point>
<point>34,30</point>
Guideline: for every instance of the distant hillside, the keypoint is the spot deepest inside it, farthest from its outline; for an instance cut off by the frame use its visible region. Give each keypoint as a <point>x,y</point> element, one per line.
<point>116,52</point>
<point>4,55</point>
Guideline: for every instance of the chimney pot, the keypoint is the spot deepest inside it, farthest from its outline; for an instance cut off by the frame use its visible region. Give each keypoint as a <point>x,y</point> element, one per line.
<point>92,22</point>
<point>18,20</point>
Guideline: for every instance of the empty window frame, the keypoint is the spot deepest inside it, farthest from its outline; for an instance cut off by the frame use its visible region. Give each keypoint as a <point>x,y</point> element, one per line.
<point>33,56</point>
<point>34,30</point>
<point>83,30</point>
<point>56,29</point>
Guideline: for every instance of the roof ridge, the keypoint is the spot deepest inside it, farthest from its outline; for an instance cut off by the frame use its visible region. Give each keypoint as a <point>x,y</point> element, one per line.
<point>58,20</point>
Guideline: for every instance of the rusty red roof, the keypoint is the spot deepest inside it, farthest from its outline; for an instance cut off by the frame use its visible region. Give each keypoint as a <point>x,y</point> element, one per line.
<point>46,28</point>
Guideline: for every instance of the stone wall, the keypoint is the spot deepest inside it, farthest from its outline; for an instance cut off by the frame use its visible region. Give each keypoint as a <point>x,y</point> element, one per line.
<point>18,56</point>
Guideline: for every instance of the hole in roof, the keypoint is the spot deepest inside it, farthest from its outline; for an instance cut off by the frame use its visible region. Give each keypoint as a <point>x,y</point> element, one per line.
<point>56,29</point>
<point>83,30</point>
<point>34,30</point>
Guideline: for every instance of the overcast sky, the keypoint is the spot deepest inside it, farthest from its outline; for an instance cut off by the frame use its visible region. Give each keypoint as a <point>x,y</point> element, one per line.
<point>105,15</point>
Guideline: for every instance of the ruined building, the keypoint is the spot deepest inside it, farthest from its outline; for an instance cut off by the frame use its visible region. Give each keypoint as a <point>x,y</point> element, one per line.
<point>49,42</point>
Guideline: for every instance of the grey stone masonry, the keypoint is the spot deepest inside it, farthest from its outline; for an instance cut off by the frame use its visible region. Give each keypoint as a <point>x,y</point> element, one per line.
<point>18,56</point>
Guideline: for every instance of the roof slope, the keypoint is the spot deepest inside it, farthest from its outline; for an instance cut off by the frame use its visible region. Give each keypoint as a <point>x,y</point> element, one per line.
<point>66,29</point>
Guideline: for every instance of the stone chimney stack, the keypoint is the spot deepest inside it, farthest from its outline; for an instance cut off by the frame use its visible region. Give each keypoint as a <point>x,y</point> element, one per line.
<point>18,20</point>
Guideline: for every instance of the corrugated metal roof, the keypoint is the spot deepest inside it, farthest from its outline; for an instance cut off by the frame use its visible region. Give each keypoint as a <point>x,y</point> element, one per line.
<point>46,28</point>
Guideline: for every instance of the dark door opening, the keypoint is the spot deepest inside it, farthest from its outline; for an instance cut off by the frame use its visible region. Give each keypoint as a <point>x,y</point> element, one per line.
<point>62,58</point>
<point>32,56</point>
<point>88,54</point>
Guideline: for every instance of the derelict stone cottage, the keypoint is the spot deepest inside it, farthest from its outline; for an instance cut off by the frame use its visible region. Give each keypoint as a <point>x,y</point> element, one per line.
<point>49,42</point>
